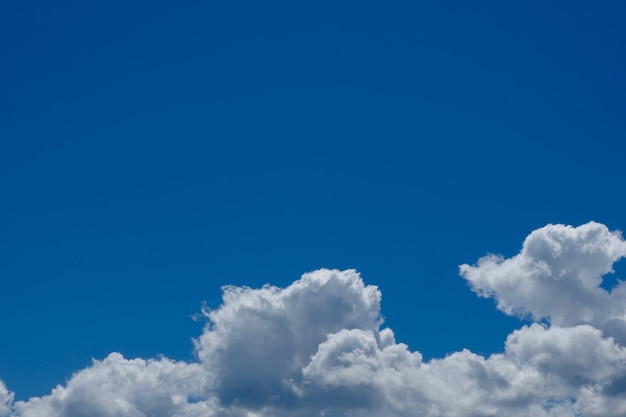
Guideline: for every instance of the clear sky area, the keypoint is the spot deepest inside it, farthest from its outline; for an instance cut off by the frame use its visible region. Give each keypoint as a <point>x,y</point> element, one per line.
<point>154,152</point>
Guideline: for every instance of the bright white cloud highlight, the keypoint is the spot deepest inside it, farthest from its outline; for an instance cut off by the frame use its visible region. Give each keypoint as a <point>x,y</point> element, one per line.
<point>316,348</point>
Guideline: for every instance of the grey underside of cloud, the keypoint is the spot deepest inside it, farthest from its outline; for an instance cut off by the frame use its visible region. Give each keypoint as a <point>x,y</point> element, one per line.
<point>319,348</point>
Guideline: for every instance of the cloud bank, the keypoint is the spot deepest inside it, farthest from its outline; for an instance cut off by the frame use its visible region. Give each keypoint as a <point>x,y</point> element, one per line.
<point>319,348</point>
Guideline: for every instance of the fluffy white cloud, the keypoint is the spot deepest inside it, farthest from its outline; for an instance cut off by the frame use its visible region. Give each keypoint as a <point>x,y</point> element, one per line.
<point>543,372</point>
<point>556,276</point>
<point>259,340</point>
<point>316,348</point>
<point>117,387</point>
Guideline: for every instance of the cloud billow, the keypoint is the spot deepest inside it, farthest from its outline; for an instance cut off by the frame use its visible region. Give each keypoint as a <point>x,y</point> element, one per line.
<point>319,348</point>
<point>557,277</point>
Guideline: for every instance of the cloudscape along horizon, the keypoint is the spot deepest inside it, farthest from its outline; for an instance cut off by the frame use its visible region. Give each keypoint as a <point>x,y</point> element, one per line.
<point>153,152</point>
<point>318,347</point>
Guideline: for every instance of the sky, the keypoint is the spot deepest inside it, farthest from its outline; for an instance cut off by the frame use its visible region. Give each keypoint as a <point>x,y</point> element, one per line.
<point>161,162</point>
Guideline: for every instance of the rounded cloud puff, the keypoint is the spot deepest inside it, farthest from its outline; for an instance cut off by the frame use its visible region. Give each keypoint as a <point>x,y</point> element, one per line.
<point>125,388</point>
<point>260,338</point>
<point>556,276</point>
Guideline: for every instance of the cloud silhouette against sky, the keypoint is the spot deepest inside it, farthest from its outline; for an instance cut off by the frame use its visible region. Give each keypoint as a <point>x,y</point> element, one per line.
<point>319,348</point>
<point>556,276</point>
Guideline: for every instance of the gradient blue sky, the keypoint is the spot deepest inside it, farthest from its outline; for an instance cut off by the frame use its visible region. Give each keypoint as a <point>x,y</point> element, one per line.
<point>152,152</point>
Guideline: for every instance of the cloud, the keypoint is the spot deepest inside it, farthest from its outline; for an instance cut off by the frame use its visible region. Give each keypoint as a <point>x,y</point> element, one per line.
<point>6,399</point>
<point>275,331</point>
<point>319,348</point>
<point>121,387</point>
<point>547,370</point>
<point>556,276</point>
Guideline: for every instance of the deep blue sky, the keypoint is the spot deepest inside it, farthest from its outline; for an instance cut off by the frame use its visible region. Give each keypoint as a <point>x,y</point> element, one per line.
<point>153,152</point>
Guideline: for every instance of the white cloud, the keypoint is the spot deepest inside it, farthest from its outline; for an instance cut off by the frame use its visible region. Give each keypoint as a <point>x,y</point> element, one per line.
<point>578,355</point>
<point>6,399</point>
<point>556,276</point>
<point>316,348</point>
<point>542,369</point>
<point>260,339</point>
<point>124,388</point>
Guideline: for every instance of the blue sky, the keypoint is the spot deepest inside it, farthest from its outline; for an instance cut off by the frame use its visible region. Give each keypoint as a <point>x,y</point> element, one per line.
<point>151,153</point>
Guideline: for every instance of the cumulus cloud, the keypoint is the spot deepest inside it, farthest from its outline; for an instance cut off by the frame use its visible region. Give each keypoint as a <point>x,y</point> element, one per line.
<point>275,331</point>
<point>319,348</point>
<point>121,387</point>
<point>556,276</point>
<point>543,372</point>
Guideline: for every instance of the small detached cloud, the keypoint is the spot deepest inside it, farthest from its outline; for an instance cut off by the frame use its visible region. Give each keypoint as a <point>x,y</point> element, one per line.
<point>319,348</point>
<point>557,276</point>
